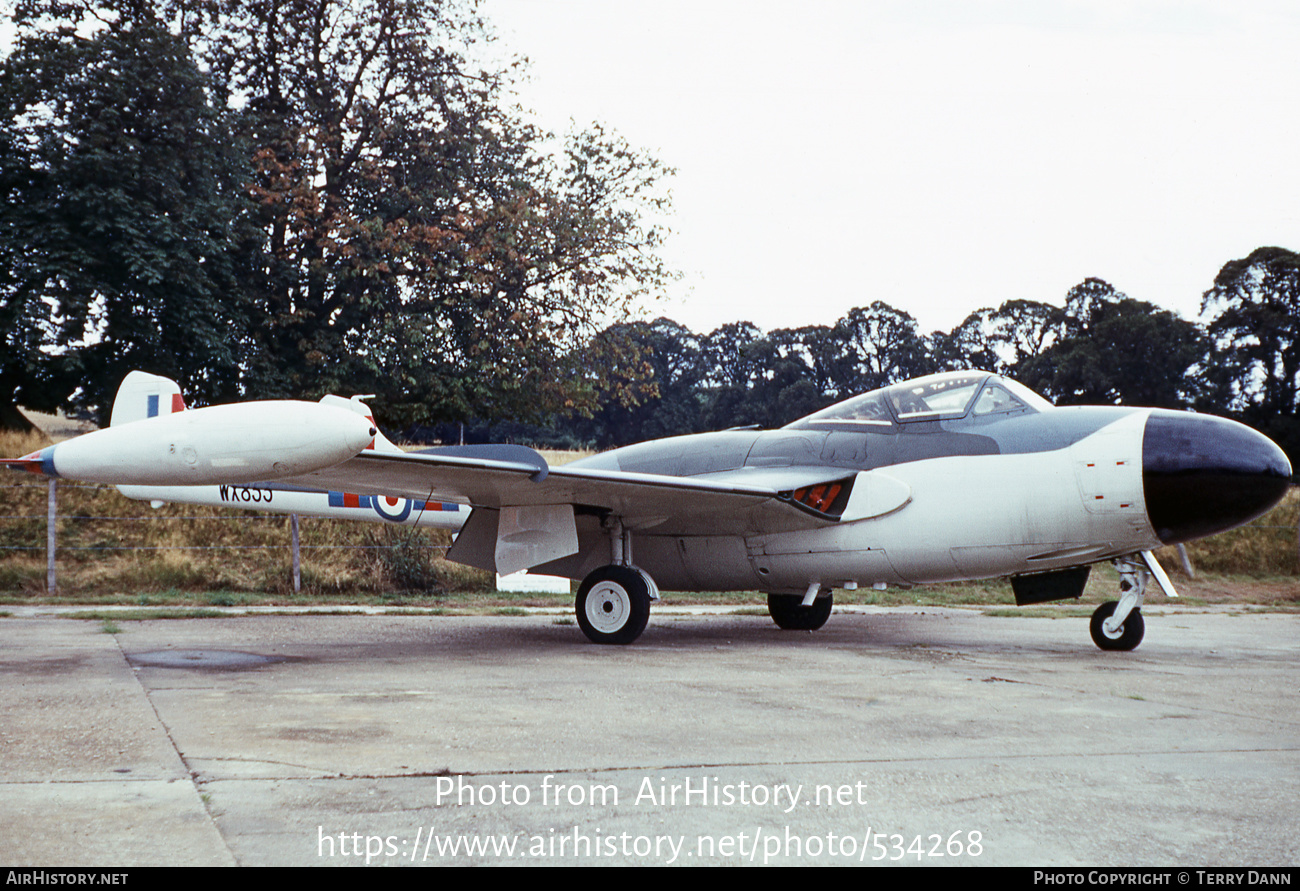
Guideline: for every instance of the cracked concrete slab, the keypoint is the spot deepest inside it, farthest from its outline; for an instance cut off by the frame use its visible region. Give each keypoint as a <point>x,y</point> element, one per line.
<point>300,740</point>
<point>88,772</point>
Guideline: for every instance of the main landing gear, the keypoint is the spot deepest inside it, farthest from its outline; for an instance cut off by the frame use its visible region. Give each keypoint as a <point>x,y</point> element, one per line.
<point>1118,624</point>
<point>613,602</point>
<point>808,614</point>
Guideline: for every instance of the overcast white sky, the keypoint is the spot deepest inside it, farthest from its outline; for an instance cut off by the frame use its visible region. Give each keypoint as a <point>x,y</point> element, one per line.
<point>940,156</point>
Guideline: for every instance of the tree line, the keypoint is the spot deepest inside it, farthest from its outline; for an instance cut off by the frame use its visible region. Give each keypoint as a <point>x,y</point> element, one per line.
<point>1101,347</point>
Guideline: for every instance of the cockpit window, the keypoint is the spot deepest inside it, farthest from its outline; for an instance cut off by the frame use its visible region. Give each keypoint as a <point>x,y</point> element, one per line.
<point>930,398</point>
<point>937,397</point>
<point>867,410</point>
<point>996,399</point>
<point>1032,400</point>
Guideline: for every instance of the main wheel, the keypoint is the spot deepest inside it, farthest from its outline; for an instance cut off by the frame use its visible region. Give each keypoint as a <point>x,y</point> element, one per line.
<point>613,605</point>
<point>1127,637</point>
<point>788,611</point>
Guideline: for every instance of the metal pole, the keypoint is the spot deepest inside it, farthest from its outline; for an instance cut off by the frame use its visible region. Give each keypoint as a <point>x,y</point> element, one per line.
<point>51,583</point>
<point>297,573</point>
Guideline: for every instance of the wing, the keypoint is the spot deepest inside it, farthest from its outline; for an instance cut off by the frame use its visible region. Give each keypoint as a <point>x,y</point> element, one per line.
<point>741,502</point>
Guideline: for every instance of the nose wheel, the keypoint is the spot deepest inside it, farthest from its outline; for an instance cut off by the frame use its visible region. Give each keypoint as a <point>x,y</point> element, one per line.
<point>1108,636</point>
<point>1118,624</point>
<point>613,604</point>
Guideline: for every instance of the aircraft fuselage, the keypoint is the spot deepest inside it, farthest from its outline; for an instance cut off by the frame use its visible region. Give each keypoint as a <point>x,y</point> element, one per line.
<point>937,500</point>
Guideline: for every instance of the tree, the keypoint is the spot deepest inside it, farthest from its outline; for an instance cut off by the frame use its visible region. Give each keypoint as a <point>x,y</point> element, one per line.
<point>822,354</point>
<point>969,345</point>
<point>412,236</point>
<point>1254,326</point>
<point>663,396</point>
<point>882,345</point>
<point>120,224</point>
<point>405,203</point>
<point>1022,330</point>
<point>728,354</point>
<point>25,323</point>
<point>1254,312</point>
<point>1118,350</point>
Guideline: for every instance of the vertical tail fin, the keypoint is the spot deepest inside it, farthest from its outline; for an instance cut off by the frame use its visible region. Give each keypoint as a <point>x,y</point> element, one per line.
<point>144,395</point>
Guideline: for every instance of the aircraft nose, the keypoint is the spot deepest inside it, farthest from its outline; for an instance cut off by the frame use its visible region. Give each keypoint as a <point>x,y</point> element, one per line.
<point>1203,474</point>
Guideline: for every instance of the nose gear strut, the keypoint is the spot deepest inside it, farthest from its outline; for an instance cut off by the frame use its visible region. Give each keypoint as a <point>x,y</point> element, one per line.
<point>1118,624</point>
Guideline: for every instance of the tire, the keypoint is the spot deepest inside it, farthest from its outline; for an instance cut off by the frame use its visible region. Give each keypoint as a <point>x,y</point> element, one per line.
<point>788,611</point>
<point>613,605</point>
<point>1130,633</point>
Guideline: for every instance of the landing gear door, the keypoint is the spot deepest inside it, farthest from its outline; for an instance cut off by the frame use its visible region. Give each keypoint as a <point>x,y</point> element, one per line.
<point>527,536</point>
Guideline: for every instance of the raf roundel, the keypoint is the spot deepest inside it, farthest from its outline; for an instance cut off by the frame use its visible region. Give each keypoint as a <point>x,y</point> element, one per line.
<point>393,509</point>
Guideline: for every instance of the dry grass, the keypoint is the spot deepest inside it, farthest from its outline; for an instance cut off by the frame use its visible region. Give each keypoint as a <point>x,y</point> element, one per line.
<point>14,445</point>
<point>112,549</point>
<point>1265,548</point>
<point>558,459</point>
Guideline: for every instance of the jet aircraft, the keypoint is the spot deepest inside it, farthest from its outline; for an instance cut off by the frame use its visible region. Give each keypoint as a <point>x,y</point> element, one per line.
<point>955,476</point>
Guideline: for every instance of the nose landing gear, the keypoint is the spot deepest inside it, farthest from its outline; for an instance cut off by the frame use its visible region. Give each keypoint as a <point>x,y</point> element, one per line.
<point>1118,624</point>
<point>1106,635</point>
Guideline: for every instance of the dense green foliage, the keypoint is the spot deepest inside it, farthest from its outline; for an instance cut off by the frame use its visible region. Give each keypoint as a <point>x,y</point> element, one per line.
<point>304,196</point>
<point>121,222</point>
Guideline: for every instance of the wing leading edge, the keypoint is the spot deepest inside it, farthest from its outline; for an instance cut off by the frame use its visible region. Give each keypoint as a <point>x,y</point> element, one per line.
<point>743,502</point>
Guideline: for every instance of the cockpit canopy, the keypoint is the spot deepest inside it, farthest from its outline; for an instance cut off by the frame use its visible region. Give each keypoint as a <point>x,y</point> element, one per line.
<point>938,397</point>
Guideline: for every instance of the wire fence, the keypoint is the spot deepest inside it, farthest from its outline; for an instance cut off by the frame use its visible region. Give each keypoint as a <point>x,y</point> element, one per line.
<point>77,533</point>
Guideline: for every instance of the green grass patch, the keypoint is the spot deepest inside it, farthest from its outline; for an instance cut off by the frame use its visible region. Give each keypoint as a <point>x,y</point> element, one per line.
<point>1040,612</point>
<point>142,615</point>
<point>230,598</point>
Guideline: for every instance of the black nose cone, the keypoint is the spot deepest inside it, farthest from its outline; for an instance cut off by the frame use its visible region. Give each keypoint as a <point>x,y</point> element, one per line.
<point>1203,474</point>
